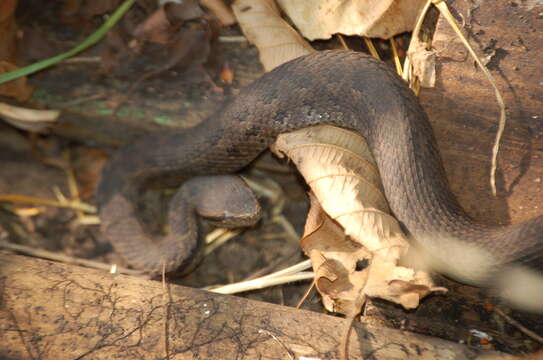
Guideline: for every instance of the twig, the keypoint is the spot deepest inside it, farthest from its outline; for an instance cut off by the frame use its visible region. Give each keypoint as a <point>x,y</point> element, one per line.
<point>261,283</point>
<point>290,274</point>
<point>342,41</point>
<point>81,100</point>
<point>532,335</point>
<point>444,10</point>
<point>371,48</point>
<point>229,39</point>
<point>219,237</point>
<point>350,318</point>
<point>397,61</point>
<point>301,266</point>
<point>280,343</point>
<point>44,254</point>
<point>167,298</point>
<point>272,266</point>
<point>83,59</point>
<point>72,183</point>
<point>23,199</point>
<point>287,226</point>
<point>306,294</point>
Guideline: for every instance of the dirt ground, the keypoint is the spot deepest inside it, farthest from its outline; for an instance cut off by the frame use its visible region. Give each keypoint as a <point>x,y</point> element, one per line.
<point>99,115</point>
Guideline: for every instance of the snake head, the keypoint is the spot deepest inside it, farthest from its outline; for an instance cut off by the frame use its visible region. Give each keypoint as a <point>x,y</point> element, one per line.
<point>224,201</point>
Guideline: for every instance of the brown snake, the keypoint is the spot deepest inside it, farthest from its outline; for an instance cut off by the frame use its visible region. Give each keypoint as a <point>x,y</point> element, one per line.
<point>341,88</point>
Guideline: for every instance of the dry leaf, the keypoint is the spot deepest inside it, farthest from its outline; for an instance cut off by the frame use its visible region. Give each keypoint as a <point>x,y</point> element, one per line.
<point>220,10</point>
<point>263,26</point>
<point>8,30</point>
<point>87,167</point>
<point>335,259</point>
<point>320,19</point>
<point>156,28</point>
<point>17,88</point>
<point>227,74</point>
<point>32,120</point>
<point>183,11</point>
<point>339,168</point>
<point>163,24</point>
<point>423,64</point>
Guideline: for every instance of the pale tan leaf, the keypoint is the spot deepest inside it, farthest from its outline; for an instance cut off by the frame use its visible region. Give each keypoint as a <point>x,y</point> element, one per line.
<point>334,258</point>
<point>338,166</point>
<point>32,120</point>
<point>263,26</point>
<point>221,11</point>
<point>320,19</point>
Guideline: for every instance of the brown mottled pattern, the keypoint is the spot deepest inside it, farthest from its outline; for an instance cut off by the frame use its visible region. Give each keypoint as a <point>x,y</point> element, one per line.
<point>346,89</point>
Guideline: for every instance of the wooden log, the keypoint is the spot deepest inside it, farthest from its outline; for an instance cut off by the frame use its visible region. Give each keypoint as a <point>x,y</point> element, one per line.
<point>56,311</point>
<point>464,111</point>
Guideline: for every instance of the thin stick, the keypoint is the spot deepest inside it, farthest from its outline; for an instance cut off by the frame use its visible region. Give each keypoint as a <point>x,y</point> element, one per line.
<point>273,265</point>
<point>301,266</point>
<point>371,48</point>
<point>72,183</point>
<point>350,318</point>
<point>397,61</point>
<point>532,335</point>
<point>44,254</point>
<point>167,299</point>
<point>306,294</point>
<point>23,199</point>
<point>261,283</point>
<point>342,41</point>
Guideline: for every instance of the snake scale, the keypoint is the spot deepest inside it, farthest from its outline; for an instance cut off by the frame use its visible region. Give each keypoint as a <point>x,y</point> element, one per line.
<point>342,88</point>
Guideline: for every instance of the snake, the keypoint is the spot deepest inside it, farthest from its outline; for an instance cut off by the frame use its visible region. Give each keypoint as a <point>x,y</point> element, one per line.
<point>347,89</point>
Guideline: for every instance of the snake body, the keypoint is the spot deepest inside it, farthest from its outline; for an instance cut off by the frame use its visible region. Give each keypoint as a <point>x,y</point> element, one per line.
<point>341,88</point>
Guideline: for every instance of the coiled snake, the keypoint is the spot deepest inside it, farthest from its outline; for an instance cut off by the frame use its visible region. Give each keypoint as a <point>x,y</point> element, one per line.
<point>341,88</point>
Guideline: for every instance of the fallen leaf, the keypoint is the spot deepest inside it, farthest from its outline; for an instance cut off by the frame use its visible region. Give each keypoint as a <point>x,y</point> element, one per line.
<point>339,168</point>
<point>156,28</point>
<point>8,30</point>
<point>31,120</point>
<point>163,24</point>
<point>276,40</point>
<point>335,260</point>
<point>87,167</point>
<point>18,88</point>
<point>320,19</point>
<point>220,10</point>
<point>423,63</point>
<point>227,74</point>
<point>183,11</point>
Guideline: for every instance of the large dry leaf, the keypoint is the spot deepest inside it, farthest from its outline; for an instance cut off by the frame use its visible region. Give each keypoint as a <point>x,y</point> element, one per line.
<point>320,19</point>
<point>339,168</point>
<point>263,26</point>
